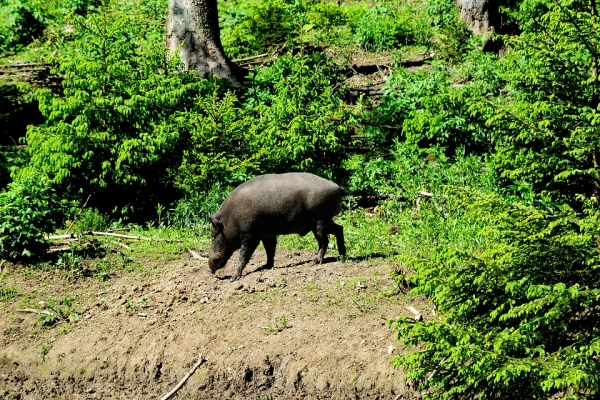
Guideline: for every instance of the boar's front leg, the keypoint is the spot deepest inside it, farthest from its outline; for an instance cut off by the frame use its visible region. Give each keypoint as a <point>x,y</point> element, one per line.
<point>248,247</point>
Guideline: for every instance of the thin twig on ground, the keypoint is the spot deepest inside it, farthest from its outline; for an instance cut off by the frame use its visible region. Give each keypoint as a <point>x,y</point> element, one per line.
<point>186,377</point>
<point>95,233</point>
<point>33,310</point>
<point>197,255</point>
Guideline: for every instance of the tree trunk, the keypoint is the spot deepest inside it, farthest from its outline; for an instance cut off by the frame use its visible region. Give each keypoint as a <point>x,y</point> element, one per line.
<point>480,15</point>
<point>193,31</point>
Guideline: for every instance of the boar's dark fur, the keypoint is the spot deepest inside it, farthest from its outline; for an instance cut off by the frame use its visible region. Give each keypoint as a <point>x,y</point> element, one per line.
<point>271,205</point>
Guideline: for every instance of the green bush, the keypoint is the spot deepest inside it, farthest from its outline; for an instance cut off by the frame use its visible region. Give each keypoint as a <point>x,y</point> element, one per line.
<point>517,306</point>
<point>545,126</point>
<point>254,27</point>
<point>193,210</point>
<point>221,148</point>
<point>22,22</point>
<point>439,107</point>
<point>404,172</point>
<point>285,121</point>
<point>299,122</point>
<point>29,209</point>
<point>387,26</point>
<point>112,133</point>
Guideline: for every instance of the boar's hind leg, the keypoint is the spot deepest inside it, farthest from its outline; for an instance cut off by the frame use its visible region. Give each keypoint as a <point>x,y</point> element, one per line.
<point>270,243</point>
<point>321,232</point>
<point>338,231</point>
<point>248,247</point>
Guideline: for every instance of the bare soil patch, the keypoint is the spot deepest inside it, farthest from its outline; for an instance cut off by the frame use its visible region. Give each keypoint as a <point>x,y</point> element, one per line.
<point>295,331</point>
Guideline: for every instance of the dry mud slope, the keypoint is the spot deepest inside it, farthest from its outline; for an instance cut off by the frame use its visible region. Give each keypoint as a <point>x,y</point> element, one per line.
<point>296,331</point>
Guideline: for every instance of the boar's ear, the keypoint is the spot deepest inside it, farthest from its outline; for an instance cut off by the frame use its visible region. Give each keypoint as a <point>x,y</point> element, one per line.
<point>218,225</point>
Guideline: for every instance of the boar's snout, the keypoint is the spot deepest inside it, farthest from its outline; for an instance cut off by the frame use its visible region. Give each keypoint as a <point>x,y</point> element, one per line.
<point>211,266</point>
<point>214,265</point>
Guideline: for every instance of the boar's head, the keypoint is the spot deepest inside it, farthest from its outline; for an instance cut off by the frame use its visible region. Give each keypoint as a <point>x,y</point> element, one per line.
<point>220,248</point>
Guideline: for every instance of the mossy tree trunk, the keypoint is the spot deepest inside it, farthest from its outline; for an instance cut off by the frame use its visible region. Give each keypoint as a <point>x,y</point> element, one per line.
<point>193,31</point>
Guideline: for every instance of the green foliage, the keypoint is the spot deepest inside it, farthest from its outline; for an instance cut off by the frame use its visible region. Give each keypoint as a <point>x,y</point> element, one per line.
<point>283,122</point>
<point>193,211</point>
<point>389,26</point>
<point>435,112</point>
<point>7,292</point>
<point>111,133</point>
<point>545,128</point>
<point>91,220</point>
<point>22,22</point>
<point>519,311</point>
<point>247,26</point>
<point>253,27</point>
<point>29,209</point>
<point>221,145</point>
<point>405,172</point>
<point>58,310</point>
<point>294,105</point>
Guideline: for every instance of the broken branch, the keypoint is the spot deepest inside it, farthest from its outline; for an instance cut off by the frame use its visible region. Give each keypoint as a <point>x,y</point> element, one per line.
<point>417,314</point>
<point>95,233</point>
<point>33,310</point>
<point>197,255</point>
<point>185,378</point>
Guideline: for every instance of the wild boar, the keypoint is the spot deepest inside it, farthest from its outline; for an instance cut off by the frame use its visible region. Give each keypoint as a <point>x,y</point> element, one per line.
<point>271,205</point>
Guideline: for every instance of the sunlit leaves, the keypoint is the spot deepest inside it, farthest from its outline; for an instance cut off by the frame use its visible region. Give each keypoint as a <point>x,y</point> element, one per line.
<point>518,314</point>
<point>111,132</point>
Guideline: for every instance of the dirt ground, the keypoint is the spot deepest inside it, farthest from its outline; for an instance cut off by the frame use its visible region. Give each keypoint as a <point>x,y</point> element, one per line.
<point>295,331</point>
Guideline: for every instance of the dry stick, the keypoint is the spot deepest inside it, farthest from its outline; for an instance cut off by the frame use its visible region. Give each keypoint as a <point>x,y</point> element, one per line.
<point>128,236</point>
<point>94,233</point>
<point>359,307</point>
<point>33,310</point>
<point>250,58</point>
<point>197,255</point>
<point>185,378</point>
<point>78,214</point>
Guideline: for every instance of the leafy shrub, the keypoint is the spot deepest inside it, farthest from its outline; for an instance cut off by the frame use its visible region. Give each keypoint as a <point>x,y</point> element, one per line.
<point>111,133</point>
<point>221,147</point>
<point>517,307</point>
<point>434,111</point>
<point>545,127</point>
<point>405,172</point>
<point>442,13</point>
<point>387,26</point>
<point>283,122</point>
<point>299,123</point>
<point>29,209</point>
<point>90,219</point>
<point>254,27</point>
<point>193,211</point>
<point>22,22</point>
<point>11,158</point>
